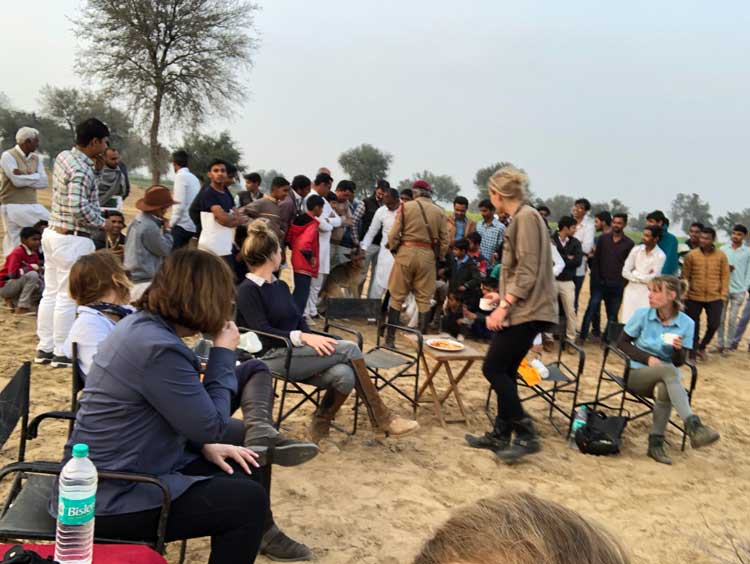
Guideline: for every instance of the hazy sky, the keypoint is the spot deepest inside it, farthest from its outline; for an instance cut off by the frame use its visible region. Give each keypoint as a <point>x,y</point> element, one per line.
<point>635,100</point>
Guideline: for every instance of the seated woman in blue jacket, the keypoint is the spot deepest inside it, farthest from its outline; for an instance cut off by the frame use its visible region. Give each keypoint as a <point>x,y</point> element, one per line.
<point>145,410</point>
<point>656,339</point>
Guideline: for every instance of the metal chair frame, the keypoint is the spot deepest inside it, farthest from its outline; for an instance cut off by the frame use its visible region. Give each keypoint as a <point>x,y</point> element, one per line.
<point>621,378</point>
<point>410,366</point>
<point>542,390</point>
<point>22,470</point>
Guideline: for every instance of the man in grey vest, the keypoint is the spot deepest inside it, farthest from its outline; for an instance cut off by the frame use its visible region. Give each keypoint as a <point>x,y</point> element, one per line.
<point>21,175</point>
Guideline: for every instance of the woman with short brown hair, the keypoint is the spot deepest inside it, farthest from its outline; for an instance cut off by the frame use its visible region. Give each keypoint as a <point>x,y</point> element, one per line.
<point>144,403</point>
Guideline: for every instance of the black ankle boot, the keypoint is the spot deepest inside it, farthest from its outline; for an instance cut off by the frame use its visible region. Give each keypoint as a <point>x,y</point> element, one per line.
<point>424,322</point>
<point>526,442</point>
<point>394,317</point>
<point>495,440</point>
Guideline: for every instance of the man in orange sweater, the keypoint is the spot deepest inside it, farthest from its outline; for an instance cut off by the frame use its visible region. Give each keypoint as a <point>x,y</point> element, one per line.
<point>707,271</point>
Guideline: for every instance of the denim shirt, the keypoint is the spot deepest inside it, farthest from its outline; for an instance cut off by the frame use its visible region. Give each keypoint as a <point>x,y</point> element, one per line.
<point>646,328</point>
<point>143,401</point>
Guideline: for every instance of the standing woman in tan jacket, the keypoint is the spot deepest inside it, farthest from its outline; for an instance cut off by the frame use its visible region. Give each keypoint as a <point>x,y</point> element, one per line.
<point>525,308</point>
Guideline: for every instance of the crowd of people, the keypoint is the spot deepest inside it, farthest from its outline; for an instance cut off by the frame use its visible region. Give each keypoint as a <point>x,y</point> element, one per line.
<point>127,301</point>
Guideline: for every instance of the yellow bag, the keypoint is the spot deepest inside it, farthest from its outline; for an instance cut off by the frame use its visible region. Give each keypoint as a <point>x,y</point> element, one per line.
<point>529,373</point>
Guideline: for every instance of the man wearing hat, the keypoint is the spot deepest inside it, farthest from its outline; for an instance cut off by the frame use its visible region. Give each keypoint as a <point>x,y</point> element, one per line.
<point>419,233</point>
<point>149,239</point>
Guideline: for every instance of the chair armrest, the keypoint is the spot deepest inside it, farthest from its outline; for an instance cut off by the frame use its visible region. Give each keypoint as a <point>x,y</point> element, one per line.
<point>581,356</point>
<point>54,469</point>
<point>348,330</point>
<point>33,429</point>
<point>284,342</point>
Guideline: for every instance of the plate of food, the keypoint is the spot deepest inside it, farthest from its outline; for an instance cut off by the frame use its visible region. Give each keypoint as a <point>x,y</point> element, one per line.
<point>445,345</point>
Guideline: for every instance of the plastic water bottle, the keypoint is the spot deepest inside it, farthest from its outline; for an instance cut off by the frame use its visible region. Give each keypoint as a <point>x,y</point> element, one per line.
<point>579,421</point>
<point>74,540</point>
<point>539,367</point>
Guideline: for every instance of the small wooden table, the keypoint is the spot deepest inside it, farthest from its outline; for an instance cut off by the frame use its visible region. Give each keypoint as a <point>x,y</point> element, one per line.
<point>443,360</point>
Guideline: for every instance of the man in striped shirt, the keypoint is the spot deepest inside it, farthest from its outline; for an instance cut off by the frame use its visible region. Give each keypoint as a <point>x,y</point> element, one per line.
<point>74,218</point>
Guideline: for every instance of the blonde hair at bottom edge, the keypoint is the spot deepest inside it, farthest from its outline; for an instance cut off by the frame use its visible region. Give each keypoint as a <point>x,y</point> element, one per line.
<point>520,528</point>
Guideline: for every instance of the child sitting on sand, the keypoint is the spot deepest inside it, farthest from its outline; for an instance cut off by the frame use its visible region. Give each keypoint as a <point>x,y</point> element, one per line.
<point>21,276</point>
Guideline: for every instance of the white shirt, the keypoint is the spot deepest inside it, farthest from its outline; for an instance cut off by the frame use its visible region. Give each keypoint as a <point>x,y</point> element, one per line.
<point>558,264</point>
<point>186,188</point>
<point>585,233</point>
<point>382,219</point>
<point>37,179</point>
<point>89,329</point>
<point>641,267</point>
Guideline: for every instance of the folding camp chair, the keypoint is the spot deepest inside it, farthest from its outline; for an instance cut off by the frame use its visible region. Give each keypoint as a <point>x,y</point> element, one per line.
<point>619,377</point>
<point>381,358</point>
<point>291,387</point>
<point>562,383</point>
<point>24,514</point>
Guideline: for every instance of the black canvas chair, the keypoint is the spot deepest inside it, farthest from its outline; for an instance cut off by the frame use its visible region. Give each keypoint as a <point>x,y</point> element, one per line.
<point>381,358</point>
<point>291,388</point>
<point>559,390</point>
<point>617,373</point>
<point>24,514</point>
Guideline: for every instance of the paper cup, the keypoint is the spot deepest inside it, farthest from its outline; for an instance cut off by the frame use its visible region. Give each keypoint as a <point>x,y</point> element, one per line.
<point>486,305</point>
<point>669,338</point>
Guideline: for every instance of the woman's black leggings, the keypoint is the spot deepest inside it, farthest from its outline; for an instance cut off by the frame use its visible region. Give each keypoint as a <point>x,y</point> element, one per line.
<point>230,508</point>
<point>507,349</point>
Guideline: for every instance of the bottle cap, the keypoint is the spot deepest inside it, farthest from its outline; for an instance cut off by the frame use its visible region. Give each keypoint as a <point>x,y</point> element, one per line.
<point>80,450</point>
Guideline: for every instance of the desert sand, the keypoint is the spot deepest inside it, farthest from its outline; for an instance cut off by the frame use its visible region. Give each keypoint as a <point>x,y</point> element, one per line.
<point>371,499</point>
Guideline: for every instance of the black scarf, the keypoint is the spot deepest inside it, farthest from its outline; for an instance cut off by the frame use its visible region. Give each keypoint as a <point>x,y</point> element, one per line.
<point>112,309</point>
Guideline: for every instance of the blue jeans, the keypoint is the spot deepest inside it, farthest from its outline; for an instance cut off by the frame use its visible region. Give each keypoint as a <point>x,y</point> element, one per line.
<point>742,325</point>
<point>301,291</point>
<point>578,283</point>
<point>729,316</point>
<point>612,296</point>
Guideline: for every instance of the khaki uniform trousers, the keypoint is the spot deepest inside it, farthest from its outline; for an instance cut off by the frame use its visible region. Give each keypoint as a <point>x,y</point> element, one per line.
<point>413,272</point>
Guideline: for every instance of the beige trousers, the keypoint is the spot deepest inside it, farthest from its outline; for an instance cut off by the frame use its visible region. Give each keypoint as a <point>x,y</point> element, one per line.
<point>567,293</point>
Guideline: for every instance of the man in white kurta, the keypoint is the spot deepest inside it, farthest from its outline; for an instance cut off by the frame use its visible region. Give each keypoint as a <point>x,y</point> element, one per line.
<point>328,221</point>
<point>644,263</point>
<point>382,221</point>
<point>21,175</point>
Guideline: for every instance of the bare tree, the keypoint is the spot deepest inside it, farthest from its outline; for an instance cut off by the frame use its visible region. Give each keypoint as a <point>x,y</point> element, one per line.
<point>171,60</point>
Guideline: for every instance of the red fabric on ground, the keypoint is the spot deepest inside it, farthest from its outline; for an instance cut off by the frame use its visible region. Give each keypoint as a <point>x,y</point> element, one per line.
<point>103,553</point>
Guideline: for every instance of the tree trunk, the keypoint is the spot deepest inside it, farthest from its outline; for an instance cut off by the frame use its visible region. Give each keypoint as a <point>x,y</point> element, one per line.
<point>155,153</point>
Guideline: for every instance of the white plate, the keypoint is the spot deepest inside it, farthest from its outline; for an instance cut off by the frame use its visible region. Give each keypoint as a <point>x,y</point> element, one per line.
<point>431,343</point>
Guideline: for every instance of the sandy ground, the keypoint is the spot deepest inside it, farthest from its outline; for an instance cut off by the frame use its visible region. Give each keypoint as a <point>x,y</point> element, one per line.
<point>370,499</point>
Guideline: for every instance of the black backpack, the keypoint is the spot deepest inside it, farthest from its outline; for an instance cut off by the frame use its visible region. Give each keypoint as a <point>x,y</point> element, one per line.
<point>602,434</point>
<point>19,555</point>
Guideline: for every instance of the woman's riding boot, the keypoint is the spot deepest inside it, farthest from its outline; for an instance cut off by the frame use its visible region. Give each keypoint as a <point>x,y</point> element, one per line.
<point>700,435</point>
<point>495,440</point>
<point>321,420</point>
<point>526,442</point>
<point>380,416</point>
<point>656,449</point>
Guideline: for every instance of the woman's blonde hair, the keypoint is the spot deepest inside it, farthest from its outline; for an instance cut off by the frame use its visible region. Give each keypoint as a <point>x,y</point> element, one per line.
<point>193,288</point>
<point>520,528</point>
<point>673,284</point>
<point>261,243</point>
<point>510,182</point>
<point>94,275</point>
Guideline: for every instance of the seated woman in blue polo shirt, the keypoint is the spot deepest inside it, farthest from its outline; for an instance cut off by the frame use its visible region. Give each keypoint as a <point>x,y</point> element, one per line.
<point>656,339</point>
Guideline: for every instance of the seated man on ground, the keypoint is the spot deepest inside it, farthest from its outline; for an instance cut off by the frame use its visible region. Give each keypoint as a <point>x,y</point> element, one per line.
<point>265,303</point>
<point>656,339</point>
<point>101,289</point>
<point>112,238</point>
<point>21,275</point>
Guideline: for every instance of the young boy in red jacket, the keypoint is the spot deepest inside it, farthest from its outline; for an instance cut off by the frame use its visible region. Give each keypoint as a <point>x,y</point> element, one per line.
<point>302,237</point>
<point>21,277</point>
